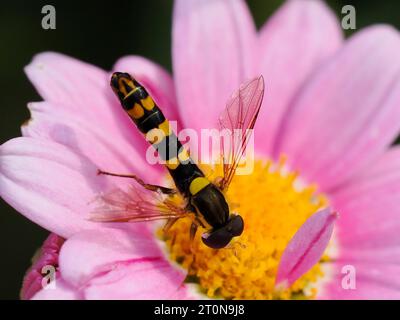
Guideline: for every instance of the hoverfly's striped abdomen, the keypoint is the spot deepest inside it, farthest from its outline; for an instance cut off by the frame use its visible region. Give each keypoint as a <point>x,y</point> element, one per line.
<point>150,120</point>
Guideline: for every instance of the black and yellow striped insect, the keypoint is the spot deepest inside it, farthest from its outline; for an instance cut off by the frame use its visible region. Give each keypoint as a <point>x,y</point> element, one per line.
<point>205,199</point>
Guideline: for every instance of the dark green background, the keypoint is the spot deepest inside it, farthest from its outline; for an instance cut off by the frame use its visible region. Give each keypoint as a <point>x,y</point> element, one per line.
<point>99,33</point>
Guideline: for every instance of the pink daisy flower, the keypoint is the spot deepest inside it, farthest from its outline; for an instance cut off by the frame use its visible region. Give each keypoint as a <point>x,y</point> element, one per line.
<point>331,108</point>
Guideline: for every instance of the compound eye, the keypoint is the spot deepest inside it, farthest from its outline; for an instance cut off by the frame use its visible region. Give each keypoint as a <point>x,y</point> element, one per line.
<point>217,239</point>
<point>236,225</point>
<point>220,238</point>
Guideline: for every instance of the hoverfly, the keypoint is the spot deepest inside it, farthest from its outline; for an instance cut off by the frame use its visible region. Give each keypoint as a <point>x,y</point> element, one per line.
<point>204,199</point>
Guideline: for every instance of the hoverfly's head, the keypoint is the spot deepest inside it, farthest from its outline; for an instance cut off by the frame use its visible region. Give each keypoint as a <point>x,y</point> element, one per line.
<point>219,238</point>
<point>123,84</point>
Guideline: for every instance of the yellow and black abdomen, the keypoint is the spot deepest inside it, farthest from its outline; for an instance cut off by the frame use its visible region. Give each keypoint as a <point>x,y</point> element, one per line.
<point>150,120</point>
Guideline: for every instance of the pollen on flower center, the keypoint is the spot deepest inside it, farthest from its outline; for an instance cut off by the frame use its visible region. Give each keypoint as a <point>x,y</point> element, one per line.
<point>273,209</point>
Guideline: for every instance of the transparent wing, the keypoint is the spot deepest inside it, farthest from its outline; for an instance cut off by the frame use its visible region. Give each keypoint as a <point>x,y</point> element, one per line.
<point>239,118</point>
<point>134,205</point>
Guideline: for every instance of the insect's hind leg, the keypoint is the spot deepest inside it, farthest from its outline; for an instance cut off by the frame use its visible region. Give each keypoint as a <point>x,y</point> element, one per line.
<point>150,187</point>
<point>170,222</point>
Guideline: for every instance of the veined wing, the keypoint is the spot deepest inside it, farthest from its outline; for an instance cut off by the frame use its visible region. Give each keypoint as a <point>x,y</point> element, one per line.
<point>134,205</point>
<point>239,118</point>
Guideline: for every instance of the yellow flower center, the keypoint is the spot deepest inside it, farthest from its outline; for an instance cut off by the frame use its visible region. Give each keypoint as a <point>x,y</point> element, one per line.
<point>273,207</point>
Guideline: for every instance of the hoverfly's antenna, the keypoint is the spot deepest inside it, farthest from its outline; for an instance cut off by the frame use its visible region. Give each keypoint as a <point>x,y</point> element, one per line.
<point>233,246</point>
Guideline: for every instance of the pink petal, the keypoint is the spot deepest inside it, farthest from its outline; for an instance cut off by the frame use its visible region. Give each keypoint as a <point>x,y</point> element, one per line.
<point>306,247</point>
<point>369,206</point>
<point>76,86</point>
<point>57,78</point>
<point>384,171</point>
<point>292,44</point>
<point>49,184</point>
<point>348,113</point>
<point>153,279</point>
<point>213,48</point>
<point>48,256</point>
<point>78,95</point>
<point>379,255</point>
<point>103,250</point>
<point>106,151</point>
<point>62,291</point>
<point>368,231</point>
<point>387,164</point>
<point>119,264</point>
<point>374,223</point>
<point>372,281</point>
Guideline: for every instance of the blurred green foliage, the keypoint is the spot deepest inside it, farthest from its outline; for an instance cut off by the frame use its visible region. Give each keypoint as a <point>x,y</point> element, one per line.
<point>98,32</point>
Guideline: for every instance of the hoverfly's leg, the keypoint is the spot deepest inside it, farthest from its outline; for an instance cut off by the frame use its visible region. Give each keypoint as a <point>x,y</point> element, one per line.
<point>209,171</point>
<point>151,187</point>
<point>231,247</point>
<point>190,208</point>
<point>219,181</point>
<point>170,222</point>
<point>234,247</point>
<point>193,230</point>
